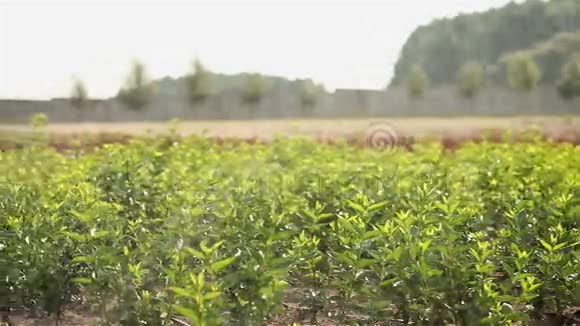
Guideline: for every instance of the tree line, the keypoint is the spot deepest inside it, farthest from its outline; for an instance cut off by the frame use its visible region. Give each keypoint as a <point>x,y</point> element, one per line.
<point>139,88</point>
<point>522,73</point>
<point>544,29</point>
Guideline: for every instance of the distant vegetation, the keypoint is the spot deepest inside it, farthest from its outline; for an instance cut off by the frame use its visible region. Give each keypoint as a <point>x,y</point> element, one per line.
<point>310,93</point>
<point>523,73</point>
<point>569,84</point>
<point>79,95</point>
<point>544,30</point>
<point>470,79</point>
<point>254,88</point>
<point>417,82</point>
<point>198,82</point>
<point>138,88</point>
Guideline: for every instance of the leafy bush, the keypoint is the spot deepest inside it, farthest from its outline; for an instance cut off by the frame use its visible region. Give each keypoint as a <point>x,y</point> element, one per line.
<point>569,84</point>
<point>38,120</point>
<point>522,72</point>
<point>220,234</point>
<point>198,83</point>
<point>254,88</point>
<point>79,95</point>
<point>310,92</point>
<point>417,82</point>
<point>138,89</point>
<point>470,79</point>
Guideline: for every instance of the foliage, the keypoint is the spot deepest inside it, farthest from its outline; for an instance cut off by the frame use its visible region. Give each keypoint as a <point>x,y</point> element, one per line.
<point>470,79</point>
<point>550,55</point>
<point>569,84</point>
<point>310,93</point>
<point>138,89</point>
<point>254,88</point>
<point>38,120</point>
<point>445,44</point>
<point>218,233</point>
<point>417,82</point>
<point>523,73</point>
<point>198,83</point>
<point>79,95</point>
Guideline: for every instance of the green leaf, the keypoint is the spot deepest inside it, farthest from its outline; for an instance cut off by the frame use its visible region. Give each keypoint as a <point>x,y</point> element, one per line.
<point>377,206</point>
<point>220,265</point>
<point>182,292</point>
<point>190,314</point>
<point>82,280</point>
<point>546,245</point>
<point>212,295</point>
<point>82,259</point>
<point>197,254</point>
<point>327,219</point>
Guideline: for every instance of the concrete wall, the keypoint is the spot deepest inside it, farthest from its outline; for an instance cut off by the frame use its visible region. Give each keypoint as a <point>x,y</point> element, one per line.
<point>279,104</point>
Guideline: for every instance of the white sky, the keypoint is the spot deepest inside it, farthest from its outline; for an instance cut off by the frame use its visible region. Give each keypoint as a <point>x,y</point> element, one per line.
<point>343,44</point>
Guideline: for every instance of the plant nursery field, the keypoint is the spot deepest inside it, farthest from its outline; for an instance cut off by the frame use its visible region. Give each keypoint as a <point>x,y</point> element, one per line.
<point>193,231</point>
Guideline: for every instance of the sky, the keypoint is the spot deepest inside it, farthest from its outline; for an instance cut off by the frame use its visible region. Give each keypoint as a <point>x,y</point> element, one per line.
<point>45,45</point>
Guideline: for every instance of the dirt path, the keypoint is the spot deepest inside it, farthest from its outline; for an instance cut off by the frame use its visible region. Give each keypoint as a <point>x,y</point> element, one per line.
<point>266,129</point>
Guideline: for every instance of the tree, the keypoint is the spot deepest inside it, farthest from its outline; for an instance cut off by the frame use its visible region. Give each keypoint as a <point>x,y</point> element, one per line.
<point>138,89</point>
<point>569,84</point>
<point>470,79</point>
<point>79,95</point>
<point>198,83</point>
<point>254,88</point>
<point>522,72</point>
<point>310,92</point>
<point>417,82</point>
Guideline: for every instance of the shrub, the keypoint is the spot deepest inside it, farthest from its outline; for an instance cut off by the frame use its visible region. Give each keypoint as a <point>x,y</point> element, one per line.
<point>310,92</point>
<point>470,79</point>
<point>79,95</point>
<point>198,83</point>
<point>38,120</point>
<point>417,82</point>
<point>569,84</point>
<point>138,89</point>
<point>254,88</point>
<point>522,72</point>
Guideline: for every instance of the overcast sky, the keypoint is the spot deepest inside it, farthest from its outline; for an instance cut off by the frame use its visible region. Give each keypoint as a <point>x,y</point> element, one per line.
<point>343,44</point>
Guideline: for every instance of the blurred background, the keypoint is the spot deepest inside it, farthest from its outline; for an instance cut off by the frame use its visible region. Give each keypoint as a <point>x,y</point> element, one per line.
<point>124,66</point>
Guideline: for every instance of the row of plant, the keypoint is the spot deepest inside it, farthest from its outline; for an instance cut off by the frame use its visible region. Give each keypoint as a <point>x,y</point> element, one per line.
<point>152,232</point>
<point>522,74</point>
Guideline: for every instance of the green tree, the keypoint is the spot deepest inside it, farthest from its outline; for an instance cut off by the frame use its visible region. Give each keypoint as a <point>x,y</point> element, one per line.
<point>310,93</point>
<point>254,88</point>
<point>198,82</point>
<point>569,84</point>
<point>417,82</point>
<point>522,72</point>
<point>138,89</point>
<point>79,95</point>
<point>470,79</point>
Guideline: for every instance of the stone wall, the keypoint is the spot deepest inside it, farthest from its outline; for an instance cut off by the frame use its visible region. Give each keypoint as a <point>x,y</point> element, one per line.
<point>277,104</point>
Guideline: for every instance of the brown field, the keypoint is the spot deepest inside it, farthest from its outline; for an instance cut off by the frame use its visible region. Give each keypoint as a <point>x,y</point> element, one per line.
<point>266,129</point>
<point>451,132</point>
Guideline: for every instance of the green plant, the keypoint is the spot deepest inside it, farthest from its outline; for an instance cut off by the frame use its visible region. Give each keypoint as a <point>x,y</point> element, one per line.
<point>38,120</point>
<point>208,232</point>
<point>310,93</point>
<point>417,82</point>
<point>138,89</point>
<point>523,73</point>
<point>254,88</point>
<point>569,83</point>
<point>198,83</point>
<point>470,79</point>
<point>79,95</point>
